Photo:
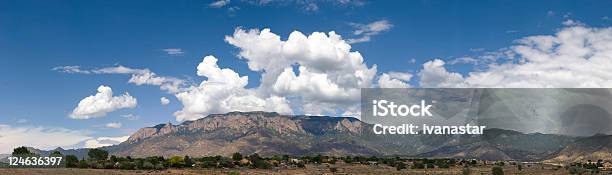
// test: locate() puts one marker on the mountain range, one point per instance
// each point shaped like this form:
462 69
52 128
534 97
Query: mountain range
268 133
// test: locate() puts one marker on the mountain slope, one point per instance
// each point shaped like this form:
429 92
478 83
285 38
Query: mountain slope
590 148
273 134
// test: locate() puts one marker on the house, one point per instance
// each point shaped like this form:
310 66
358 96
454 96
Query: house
295 161
607 166
274 162
245 162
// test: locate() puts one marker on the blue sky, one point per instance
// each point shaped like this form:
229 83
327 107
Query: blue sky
37 36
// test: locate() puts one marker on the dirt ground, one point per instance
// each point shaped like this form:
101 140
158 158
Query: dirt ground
310 169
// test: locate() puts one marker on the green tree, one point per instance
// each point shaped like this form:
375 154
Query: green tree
237 156
418 165
97 154
188 162
176 161
21 151
496 170
72 161
148 165
113 158
83 164
56 154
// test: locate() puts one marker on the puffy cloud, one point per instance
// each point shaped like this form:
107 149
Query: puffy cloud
101 103
219 3
366 31
38 137
576 56
164 101
329 75
105 141
435 75
394 80
174 51
113 125
222 92
169 84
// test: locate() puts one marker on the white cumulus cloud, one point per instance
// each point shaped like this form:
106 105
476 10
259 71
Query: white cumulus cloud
104 141
101 103
394 80
575 56
222 92
328 76
164 101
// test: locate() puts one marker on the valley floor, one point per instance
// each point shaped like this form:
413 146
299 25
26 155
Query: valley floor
310 169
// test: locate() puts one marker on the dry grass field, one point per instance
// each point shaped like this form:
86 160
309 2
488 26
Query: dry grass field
310 169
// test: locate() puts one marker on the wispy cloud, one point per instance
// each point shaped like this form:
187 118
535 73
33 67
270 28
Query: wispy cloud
70 69
219 3
139 76
131 116
364 32
113 125
21 121
174 51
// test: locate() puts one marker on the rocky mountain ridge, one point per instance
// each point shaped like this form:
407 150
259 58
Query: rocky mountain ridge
268 133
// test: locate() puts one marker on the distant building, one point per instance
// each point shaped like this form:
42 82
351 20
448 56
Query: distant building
245 162
607 166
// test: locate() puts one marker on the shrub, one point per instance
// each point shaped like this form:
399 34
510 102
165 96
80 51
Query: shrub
109 165
418 165
159 166
83 164
237 156
261 164
126 166
465 171
400 165
148 165
301 165
496 170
